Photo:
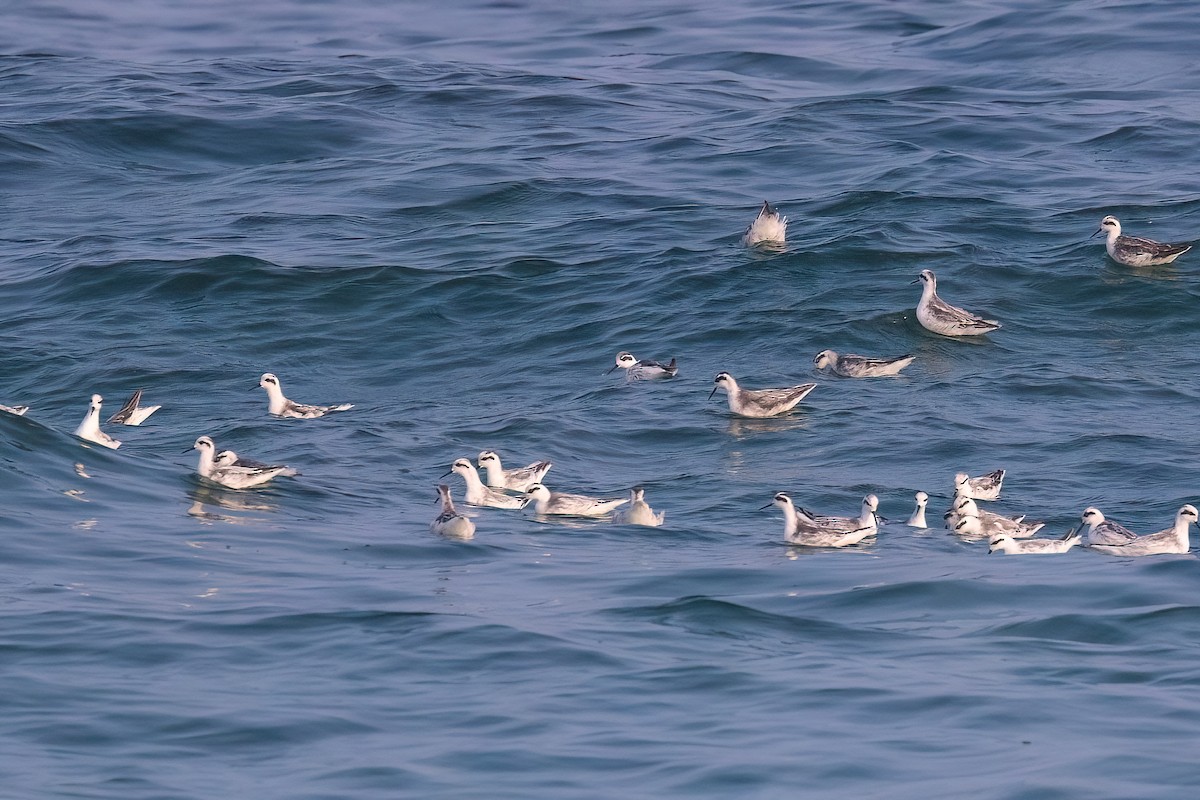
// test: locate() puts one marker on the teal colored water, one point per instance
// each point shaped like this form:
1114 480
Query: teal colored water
454 217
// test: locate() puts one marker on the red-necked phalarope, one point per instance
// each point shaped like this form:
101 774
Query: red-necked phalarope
1104 531
1134 251
226 471
518 479
90 427
936 315
1171 540
802 528
1011 546
479 495
283 407
449 522
769 228
759 402
854 366
577 505
17 410
972 521
917 520
131 414
639 511
642 370
985 487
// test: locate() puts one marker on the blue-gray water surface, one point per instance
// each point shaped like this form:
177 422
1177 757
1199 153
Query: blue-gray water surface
454 216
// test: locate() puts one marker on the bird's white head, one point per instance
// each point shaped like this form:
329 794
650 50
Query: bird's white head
825 358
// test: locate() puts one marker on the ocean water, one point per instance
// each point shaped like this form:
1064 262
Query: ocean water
454 216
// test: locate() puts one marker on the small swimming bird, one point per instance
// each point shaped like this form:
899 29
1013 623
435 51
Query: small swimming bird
90 427
1171 540
1104 531
228 473
643 370
131 414
479 495
1134 251
867 518
639 511
936 315
854 366
970 520
228 458
578 505
985 487
518 479
759 402
1011 546
280 406
917 520
768 227
802 528
450 523
18 410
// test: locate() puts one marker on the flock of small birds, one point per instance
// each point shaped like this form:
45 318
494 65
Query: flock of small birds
1011 535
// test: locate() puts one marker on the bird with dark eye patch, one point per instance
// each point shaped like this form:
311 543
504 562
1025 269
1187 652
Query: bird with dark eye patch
849 365
1134 251
759 402
936 315
1172 540
449 522
636 370
281 406
479 495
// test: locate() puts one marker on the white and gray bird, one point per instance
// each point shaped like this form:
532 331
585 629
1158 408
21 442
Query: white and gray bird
803 528
518 479
16 410
1011 546
1134 251
578 505
281 406
1172 540
1104 531
974 522
768 228
228 472
636 370
449 522
639 511
917 520
132 413
849 365
89 428
936 315
479 495
985 487
759 402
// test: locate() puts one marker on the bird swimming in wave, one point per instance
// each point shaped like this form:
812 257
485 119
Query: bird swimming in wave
131 413
768 228
449 522
1134 251
90 427
936 315
759 402
642 370
850 365
280 406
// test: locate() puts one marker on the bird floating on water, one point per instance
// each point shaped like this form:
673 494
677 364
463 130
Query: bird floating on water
917 520
280 406
642 370
936 315
768 228
90 427
1011 546
518 479
449 522
578 505
759 402
985 487
479 495
639 511
803 528
849 365
1172 540
131 413
1134 251
231 472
